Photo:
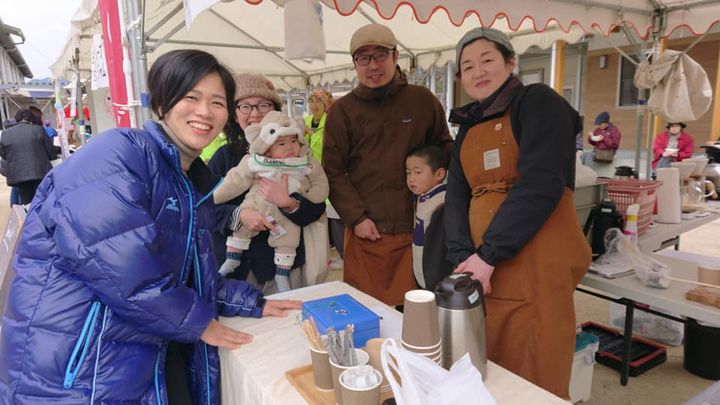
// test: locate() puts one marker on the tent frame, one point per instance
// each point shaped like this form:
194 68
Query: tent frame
138 40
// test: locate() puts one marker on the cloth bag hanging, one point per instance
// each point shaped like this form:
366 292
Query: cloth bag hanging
304 37
680 90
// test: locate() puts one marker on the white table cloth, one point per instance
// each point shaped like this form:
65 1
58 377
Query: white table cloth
255 373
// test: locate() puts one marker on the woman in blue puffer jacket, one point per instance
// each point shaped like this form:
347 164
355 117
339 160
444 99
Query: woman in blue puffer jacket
116 292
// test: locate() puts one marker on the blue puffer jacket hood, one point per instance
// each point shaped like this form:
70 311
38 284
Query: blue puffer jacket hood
115 260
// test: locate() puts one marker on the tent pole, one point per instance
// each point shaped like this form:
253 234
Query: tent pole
657 122
2 110
715 123
582 54
659 24
433 79
138 59
449 89
557 66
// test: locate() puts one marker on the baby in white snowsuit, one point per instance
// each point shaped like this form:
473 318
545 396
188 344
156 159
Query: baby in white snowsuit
277 147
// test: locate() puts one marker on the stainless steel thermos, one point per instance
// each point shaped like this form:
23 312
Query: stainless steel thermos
461 316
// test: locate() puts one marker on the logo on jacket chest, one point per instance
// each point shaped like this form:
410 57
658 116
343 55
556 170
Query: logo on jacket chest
172 204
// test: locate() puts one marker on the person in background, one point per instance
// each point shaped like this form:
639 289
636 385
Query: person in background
116 295
425 168
320 100
579 140
14 198
672 145
368 134
605 140
49 130
254 98
209 151
510 217
27 152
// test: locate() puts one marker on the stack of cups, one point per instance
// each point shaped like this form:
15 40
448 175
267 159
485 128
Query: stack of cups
372 347
420 331
337 369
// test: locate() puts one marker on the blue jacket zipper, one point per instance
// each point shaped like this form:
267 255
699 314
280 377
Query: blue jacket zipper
81 346
97 353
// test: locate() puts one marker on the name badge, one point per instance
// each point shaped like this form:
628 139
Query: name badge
491 159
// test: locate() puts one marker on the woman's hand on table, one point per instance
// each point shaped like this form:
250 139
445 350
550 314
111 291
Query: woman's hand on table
279 308
479 270
217 334
276 192
255 221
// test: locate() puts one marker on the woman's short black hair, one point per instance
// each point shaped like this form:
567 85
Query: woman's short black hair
177 72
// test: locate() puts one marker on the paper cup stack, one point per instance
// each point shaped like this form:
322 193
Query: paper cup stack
420 332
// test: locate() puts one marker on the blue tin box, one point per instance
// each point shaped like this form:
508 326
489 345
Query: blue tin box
341 310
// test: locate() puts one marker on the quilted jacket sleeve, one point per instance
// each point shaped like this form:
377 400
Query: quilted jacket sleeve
102 217
239 298
238 180
319 187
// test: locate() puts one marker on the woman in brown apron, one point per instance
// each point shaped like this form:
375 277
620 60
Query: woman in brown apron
510 217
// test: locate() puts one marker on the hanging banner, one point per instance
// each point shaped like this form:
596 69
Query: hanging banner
60 122
193 8
99 66
112 43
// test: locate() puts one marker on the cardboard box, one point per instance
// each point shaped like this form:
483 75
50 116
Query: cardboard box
341 310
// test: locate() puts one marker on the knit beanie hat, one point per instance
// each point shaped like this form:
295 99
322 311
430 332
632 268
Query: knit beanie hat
275 124
323 96
602 118
253 85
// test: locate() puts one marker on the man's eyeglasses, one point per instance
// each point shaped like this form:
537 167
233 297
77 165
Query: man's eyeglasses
379 55
246 109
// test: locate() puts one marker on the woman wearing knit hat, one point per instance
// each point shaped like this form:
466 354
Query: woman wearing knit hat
605 140
255 96
509 212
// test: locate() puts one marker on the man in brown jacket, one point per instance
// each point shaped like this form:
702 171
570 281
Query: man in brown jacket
368 134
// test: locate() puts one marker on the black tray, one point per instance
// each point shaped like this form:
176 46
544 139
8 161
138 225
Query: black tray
644 354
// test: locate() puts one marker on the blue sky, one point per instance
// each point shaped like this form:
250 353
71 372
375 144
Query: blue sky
45 23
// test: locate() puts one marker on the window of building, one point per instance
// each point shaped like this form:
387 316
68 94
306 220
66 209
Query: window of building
627 92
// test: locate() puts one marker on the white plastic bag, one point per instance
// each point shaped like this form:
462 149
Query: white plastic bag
650 325
423 381
304 37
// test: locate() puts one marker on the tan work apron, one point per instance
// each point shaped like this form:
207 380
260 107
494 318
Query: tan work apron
530 311
382 269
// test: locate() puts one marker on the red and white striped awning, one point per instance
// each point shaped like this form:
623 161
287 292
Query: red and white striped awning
602 15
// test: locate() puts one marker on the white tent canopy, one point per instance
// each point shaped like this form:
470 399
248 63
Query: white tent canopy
250 38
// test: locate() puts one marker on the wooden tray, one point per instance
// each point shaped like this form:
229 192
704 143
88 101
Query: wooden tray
303 380
705 295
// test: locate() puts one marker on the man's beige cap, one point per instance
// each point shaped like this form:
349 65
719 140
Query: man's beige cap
372 34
